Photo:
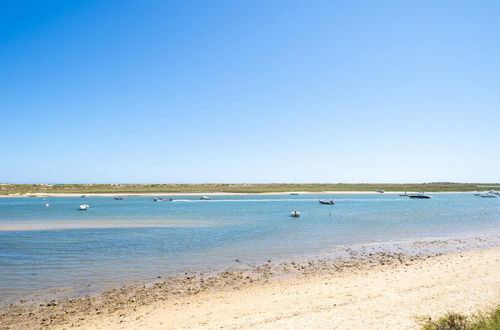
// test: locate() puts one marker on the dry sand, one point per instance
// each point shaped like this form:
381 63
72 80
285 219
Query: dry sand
383 291
385 296
111 194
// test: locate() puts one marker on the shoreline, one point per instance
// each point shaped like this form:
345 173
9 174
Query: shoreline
118 194
115 304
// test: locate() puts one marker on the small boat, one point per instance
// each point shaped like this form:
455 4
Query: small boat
118 198
47 205
205 198
83 196
84 207
405 194
380 191
327 201
158 199
419 195
295 214
488 195
294 194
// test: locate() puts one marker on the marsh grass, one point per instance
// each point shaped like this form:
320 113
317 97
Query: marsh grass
456 321
238 188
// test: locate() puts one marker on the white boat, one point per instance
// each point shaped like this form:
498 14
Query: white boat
295 214
47 205
487 195
327 201
205 198
158 199
84 207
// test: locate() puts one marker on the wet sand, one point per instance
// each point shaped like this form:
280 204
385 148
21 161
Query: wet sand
375 290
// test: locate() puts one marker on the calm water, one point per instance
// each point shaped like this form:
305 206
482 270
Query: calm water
47 249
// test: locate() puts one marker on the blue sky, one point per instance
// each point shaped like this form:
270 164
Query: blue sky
249 91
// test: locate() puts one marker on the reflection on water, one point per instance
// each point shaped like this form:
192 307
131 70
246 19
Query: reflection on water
48 249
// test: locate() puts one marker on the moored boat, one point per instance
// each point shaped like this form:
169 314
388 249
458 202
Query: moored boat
205 198
487 195
295 214
84 207
327 201
419 195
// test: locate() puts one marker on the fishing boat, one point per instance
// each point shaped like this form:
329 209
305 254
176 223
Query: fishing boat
419 195
84 207
327 201
205 198
295 214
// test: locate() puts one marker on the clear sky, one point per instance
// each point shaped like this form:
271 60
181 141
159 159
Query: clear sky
249 91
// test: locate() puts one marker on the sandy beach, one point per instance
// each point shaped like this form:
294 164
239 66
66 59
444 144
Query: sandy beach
342 192
381 290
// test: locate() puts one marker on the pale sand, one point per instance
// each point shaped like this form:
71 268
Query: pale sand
38 195
379 297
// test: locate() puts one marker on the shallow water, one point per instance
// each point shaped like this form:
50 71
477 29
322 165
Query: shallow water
64 250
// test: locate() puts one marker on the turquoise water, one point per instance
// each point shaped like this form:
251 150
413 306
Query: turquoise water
61 249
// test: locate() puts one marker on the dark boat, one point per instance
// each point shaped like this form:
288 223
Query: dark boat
327 202
419 195
118 198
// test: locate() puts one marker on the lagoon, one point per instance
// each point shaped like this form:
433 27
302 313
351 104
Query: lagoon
61 250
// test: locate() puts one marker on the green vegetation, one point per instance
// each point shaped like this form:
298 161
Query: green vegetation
236 188
455 321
